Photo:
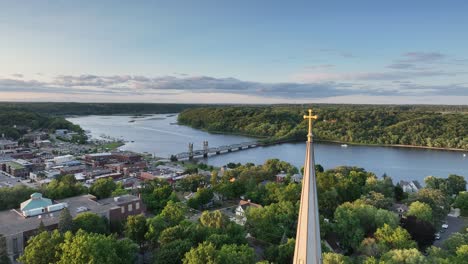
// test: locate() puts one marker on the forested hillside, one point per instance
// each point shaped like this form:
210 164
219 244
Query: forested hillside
428 126
61 109
15 123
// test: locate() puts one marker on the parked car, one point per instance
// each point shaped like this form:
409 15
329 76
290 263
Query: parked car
437 236
445 226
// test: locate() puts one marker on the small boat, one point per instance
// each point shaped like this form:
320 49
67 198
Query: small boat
464 155
344 145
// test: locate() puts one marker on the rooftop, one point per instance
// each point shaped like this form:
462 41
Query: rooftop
12 221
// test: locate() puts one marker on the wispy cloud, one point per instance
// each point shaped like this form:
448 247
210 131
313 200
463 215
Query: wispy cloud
127 85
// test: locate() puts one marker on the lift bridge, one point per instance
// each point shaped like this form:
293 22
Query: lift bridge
206 151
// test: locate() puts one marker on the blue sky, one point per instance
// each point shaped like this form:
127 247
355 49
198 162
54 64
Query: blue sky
235 51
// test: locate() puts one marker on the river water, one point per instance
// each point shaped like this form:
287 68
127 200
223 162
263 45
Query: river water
161 136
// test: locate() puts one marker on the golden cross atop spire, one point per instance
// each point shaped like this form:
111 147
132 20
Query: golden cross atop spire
310 117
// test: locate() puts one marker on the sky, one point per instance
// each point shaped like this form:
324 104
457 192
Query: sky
262 51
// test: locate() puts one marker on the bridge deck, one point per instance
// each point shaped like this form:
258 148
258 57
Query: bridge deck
217 150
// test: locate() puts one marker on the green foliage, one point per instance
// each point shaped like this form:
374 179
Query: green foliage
64 187
454 241
451 185
227 254
12 197
65 221
438 202
203 254
421 211
135 228
191 183
334 258
462 202
155 194
174 213
272 222
173 252
103 188
403 256
213 219
91 223
43 248
235 254
201 198
283 253
394 238
119 190
353 221
405 125
96 248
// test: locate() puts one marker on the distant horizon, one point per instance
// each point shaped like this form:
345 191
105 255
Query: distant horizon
207 51
223 104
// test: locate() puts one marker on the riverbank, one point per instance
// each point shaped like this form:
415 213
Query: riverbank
269 142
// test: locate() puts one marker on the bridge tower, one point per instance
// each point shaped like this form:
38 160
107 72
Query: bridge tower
190 150
205 149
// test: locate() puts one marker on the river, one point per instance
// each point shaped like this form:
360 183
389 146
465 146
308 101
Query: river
162 136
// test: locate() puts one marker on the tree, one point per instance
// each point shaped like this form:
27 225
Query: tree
214 178
4 259
90 222
456 184
214 219
399 193
454 241
96 248
103 188
436 200
335 258
173 252
235 254
377 200
119 190
65 221
135 228
63 187
353 221
394 238
43 248
403 256
204 253
462 202
421 231
421 211
174 213
155 226
201 197
272 222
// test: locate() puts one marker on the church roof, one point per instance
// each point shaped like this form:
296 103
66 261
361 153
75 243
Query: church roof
36 201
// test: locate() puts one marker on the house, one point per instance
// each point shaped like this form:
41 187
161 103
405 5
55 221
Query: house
411 186
6 144
400 209
241 209
20 224
280 177
297 178
17 168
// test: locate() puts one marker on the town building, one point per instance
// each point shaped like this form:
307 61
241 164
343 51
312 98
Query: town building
19 225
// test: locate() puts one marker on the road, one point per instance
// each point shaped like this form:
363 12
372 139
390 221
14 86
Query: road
455 224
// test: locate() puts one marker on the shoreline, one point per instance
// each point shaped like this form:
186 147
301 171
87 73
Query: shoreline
276 142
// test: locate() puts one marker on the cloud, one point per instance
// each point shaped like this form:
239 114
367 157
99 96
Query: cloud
127 86
17 75
423 56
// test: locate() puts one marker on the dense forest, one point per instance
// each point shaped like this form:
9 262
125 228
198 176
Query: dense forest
15 123
63 109
427 126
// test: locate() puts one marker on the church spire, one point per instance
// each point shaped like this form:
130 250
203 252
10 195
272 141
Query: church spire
308 247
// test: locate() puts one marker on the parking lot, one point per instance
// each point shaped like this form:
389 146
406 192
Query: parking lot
455 224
